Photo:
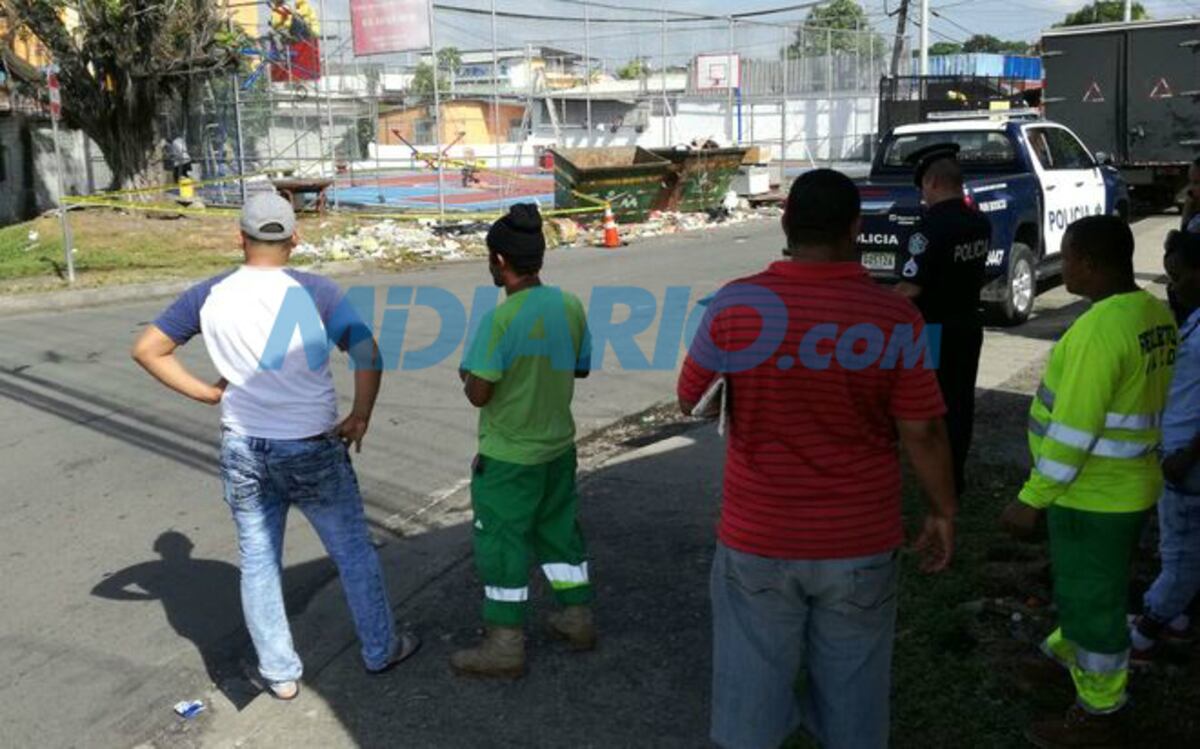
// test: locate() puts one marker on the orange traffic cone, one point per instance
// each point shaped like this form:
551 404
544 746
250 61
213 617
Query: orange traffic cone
612 238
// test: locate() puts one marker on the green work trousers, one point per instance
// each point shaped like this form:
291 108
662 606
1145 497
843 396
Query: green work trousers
1091 553
524 511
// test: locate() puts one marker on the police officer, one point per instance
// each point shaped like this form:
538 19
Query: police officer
943 272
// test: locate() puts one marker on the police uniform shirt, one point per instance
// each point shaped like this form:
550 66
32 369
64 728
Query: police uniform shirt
946 256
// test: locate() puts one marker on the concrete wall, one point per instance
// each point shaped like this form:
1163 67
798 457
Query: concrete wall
30 185
822 129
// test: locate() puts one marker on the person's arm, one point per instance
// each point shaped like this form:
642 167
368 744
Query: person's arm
697 374
1179 464
583 363
917 266
928 448
155 352
1181 418
484 363
918 410
120 587
368 378
1091 371
478 390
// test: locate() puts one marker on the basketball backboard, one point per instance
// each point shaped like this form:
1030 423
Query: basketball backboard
718 72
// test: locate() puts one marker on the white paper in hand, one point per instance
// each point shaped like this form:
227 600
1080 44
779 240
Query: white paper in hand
714 404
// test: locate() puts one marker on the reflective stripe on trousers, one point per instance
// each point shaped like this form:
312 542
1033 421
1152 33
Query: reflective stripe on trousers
506 595
564 576
1100 678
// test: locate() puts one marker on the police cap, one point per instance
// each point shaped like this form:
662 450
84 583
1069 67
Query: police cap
923 158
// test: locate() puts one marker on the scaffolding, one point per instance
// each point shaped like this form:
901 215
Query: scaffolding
520 83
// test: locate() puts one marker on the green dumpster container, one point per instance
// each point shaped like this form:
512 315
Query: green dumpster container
699 178
630 178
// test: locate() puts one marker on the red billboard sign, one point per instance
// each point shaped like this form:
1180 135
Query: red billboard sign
383 26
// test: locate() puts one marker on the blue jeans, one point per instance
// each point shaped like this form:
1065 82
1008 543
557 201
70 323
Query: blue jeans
1179 546
263 479
834 619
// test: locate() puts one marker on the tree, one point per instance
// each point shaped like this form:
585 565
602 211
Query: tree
838 26
945 48
450 60
990 44
422 82
633 70
449 64
120 67
1103 11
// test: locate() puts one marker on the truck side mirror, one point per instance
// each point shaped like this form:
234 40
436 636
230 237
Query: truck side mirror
1104 159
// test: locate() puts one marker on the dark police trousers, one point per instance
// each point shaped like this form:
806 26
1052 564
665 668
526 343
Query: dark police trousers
958 366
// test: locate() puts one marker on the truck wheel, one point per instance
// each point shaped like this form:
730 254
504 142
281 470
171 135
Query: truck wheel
1020 286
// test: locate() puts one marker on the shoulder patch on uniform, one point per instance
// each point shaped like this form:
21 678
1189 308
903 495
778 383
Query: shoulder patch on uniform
917 244
910 269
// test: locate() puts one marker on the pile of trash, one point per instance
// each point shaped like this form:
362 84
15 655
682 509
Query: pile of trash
391 242
397 241
661 223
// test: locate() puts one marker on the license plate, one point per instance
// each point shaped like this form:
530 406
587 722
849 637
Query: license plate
879 260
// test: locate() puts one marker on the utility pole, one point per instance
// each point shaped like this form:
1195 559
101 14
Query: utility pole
495 88
1128 11
898 45
437 116
924 37
587 67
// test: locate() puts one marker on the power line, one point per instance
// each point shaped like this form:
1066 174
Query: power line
953 23
671 15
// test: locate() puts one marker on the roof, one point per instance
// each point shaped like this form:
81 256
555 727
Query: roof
1102 27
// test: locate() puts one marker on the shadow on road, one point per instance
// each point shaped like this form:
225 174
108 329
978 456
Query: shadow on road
202 603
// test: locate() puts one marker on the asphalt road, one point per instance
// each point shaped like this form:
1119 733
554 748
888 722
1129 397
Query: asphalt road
111 518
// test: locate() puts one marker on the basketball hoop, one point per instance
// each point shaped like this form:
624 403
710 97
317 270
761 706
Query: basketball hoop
719 72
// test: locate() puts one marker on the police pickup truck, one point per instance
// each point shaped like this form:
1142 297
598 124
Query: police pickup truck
1030 177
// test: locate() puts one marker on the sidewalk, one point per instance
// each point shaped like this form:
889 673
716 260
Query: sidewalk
649 516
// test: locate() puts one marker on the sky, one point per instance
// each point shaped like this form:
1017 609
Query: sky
956 20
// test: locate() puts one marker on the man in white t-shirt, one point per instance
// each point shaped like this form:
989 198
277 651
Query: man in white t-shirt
282 443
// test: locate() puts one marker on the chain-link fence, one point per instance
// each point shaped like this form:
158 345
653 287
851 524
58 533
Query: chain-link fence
515 83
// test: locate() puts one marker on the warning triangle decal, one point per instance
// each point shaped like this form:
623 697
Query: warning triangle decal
1162 90
1093 95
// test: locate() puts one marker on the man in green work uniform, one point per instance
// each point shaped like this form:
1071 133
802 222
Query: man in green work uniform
520 371
1094 430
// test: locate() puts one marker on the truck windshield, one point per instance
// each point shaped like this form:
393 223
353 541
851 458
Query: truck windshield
982 150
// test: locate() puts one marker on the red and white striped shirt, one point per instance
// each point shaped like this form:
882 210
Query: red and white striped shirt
812 469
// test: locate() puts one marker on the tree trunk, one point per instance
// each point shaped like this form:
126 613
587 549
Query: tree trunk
135 163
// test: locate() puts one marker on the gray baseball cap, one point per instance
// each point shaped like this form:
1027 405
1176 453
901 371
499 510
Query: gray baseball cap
268 217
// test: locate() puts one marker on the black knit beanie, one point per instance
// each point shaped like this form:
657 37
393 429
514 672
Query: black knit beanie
518 235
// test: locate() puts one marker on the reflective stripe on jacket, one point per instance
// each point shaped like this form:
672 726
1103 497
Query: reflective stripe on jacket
1096 422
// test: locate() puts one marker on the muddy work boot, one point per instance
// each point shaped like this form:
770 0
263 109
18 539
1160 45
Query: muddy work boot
1079 729
500 655
574 625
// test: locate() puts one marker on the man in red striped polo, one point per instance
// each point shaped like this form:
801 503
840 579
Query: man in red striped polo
826 373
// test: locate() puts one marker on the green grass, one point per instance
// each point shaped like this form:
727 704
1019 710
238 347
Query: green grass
954 675
114 247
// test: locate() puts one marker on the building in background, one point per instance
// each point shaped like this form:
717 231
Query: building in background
515 70
465 121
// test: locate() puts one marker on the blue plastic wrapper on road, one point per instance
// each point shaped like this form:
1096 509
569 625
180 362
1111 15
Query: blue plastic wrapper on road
189 709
